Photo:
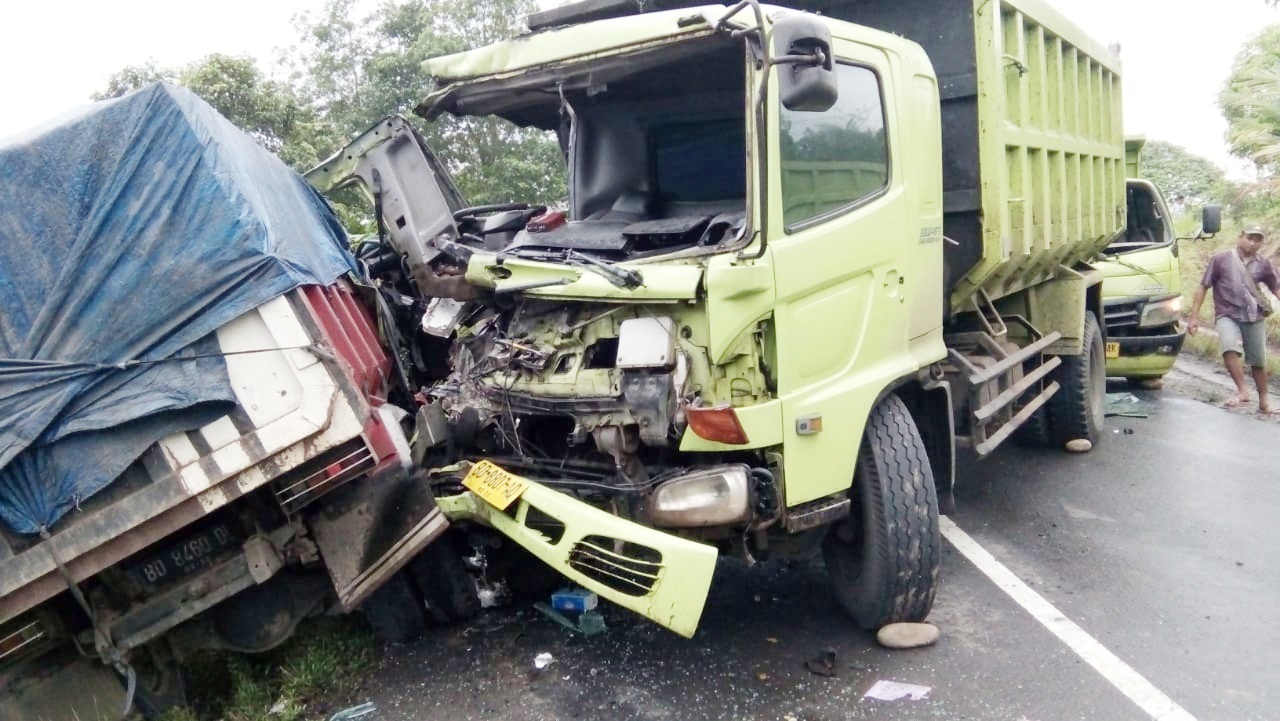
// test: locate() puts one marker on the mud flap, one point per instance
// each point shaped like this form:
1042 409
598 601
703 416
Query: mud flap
657 575
367 531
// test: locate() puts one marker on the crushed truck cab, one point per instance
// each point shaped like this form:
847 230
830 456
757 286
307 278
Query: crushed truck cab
774 300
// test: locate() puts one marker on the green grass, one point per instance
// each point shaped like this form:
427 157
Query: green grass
321 666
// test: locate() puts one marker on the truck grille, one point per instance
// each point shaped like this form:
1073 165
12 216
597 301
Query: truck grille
625 567
322 475
1122 317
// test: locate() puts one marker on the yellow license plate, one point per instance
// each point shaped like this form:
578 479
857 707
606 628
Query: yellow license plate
497 487
1113 350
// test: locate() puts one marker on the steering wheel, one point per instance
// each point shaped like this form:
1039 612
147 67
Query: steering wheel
476 212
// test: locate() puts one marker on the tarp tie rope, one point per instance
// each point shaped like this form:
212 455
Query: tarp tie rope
102 640
317 349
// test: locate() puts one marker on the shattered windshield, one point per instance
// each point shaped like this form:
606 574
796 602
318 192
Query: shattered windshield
656 154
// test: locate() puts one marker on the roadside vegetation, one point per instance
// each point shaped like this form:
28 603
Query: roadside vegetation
1250 102
353 63
309 677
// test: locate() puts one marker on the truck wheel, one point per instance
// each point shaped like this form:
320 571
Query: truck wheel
161 683
444 581
1035 432
883 560
1077 409
394 611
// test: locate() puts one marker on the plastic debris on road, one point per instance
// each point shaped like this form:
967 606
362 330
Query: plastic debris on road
574 600
543 660
578 607
1127 405
355 712
893 691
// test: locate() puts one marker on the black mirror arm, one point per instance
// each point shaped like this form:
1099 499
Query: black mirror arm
755 6
816 58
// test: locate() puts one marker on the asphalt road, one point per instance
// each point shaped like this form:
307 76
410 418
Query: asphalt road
1160 546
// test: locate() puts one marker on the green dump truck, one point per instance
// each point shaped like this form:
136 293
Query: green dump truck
801 260
1142 295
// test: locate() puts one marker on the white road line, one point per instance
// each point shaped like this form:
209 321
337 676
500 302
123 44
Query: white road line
1121 675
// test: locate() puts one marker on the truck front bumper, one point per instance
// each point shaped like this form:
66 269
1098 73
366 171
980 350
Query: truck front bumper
660 576
1146 356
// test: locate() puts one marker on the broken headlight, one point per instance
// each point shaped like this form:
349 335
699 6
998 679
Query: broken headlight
706 497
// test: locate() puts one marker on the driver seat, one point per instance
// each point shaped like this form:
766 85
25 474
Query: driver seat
631 206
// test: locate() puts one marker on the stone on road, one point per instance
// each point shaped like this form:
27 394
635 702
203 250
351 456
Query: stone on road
908 635
1079 445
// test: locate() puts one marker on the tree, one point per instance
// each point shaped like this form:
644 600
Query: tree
133 77
1186 179
358 69
1250 100
270 111
349 70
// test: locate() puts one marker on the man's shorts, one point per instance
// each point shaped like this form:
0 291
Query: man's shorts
1248 339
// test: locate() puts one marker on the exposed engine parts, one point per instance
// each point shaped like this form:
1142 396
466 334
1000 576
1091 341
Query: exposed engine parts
591 398
548 381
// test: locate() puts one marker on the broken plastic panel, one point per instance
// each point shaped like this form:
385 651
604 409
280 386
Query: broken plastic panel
657 575
719 423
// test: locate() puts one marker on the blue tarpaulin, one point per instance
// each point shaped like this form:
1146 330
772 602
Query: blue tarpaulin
131 232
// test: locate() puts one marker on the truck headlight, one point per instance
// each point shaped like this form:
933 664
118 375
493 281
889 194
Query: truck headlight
706 497
1161 312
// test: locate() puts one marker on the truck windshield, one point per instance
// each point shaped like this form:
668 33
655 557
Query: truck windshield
658 152
1147 223
700 162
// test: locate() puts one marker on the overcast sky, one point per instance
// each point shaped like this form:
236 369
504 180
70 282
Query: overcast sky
54 53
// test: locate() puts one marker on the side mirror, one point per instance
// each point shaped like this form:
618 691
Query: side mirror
806 76
1211 219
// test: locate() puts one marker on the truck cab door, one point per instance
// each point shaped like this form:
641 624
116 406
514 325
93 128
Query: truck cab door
406 185
843 244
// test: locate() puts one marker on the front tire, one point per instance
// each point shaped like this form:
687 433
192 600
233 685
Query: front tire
883 560
1078 408
161 683
394 611
444 581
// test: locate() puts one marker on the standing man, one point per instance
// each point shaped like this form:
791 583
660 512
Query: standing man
1239 308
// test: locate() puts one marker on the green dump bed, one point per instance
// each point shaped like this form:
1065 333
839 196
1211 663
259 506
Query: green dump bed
1033 144
1133 145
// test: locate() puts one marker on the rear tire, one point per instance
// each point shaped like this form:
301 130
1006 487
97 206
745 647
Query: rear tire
1035 432
1078 408
883 560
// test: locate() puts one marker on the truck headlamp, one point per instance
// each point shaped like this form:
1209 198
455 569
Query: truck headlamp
706 497
1161 312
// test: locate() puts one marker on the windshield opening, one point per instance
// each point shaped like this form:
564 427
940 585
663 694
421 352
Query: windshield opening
1148 224
660 149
